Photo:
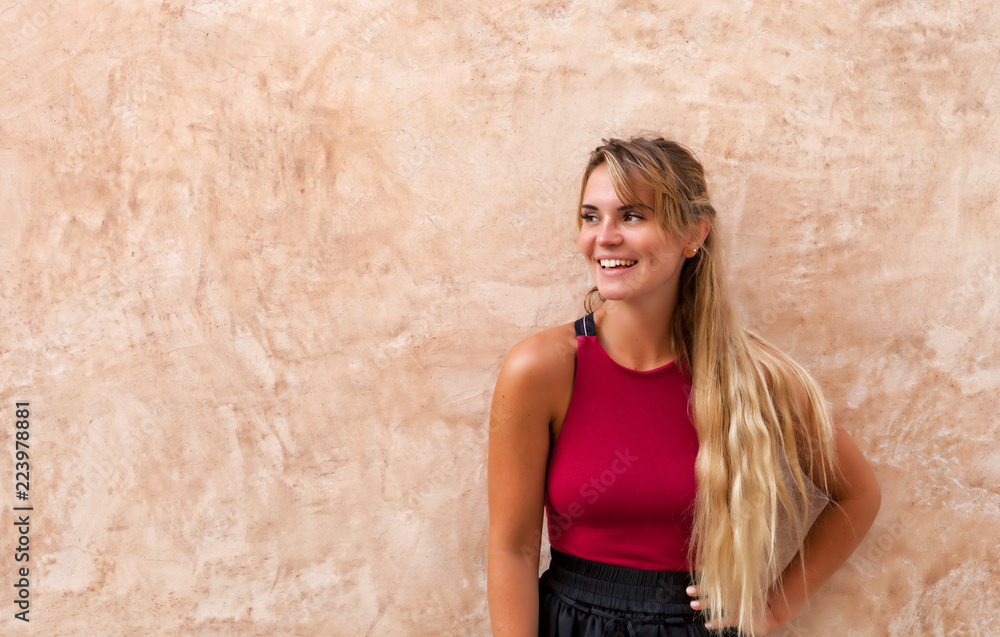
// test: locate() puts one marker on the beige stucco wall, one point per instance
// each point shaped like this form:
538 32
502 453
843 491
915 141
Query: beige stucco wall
261 262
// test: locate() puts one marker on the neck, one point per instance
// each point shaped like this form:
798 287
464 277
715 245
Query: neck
637 334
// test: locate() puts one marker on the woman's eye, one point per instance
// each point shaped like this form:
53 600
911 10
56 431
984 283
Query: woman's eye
586 216
632 216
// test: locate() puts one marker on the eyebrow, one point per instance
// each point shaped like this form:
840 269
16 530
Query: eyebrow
622 208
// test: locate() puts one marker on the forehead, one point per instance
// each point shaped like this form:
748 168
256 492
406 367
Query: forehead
600 189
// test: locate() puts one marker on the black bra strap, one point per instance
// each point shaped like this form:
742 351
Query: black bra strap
585 326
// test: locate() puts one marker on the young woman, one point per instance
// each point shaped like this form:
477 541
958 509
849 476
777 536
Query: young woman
665 442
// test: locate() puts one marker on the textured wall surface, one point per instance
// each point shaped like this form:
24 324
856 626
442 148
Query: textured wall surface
261 262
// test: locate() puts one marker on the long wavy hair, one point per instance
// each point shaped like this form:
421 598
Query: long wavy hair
761 419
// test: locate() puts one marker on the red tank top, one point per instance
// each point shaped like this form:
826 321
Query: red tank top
620 484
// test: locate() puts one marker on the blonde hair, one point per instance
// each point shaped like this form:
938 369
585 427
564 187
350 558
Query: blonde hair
755 410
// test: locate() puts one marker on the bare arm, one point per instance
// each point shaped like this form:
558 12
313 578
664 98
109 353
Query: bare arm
839 529
518 453
855 498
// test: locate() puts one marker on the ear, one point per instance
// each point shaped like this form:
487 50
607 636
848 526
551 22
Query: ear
701 228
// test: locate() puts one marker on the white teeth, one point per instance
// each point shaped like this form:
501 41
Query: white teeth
613 263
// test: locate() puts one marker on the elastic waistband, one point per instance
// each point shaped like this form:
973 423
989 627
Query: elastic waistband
620 587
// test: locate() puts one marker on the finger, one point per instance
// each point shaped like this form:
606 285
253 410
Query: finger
724 623
698 604
694 591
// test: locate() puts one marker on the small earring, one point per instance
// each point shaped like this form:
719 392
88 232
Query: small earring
693 252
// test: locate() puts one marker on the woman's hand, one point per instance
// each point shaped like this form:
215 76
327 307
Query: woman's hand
777 615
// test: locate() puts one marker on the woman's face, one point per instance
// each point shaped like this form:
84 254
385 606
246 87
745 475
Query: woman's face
629 254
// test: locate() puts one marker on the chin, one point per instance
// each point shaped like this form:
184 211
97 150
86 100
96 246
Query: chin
613 293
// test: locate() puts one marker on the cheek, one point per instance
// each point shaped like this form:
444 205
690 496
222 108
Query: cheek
661 252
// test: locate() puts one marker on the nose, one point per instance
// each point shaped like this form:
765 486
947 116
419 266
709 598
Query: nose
609 234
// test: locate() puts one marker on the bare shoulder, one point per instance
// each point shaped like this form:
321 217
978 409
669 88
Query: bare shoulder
551 352
536 378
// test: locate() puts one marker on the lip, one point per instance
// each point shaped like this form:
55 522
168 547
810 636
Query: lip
616 272
599 259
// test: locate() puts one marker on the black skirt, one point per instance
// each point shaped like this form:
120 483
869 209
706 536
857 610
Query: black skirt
583 598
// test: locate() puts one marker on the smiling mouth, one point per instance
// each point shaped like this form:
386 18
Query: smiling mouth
616 264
